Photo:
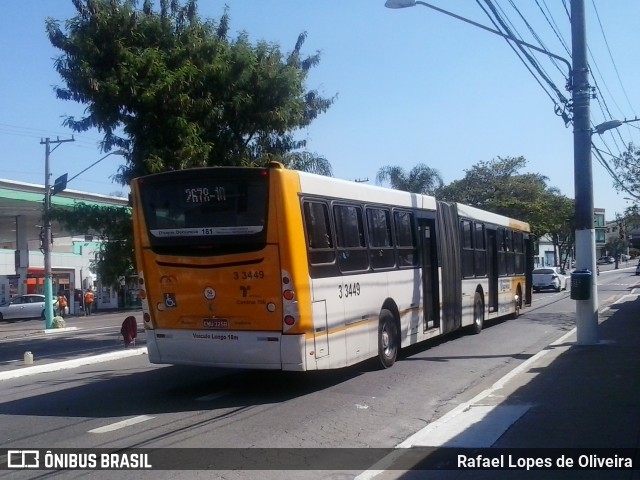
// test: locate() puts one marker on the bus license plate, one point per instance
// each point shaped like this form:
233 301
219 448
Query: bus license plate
215 323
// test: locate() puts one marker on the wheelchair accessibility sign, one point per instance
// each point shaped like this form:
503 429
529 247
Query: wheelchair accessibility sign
170 300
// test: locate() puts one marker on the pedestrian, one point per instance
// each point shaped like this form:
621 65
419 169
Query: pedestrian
129 331
88 301
62 304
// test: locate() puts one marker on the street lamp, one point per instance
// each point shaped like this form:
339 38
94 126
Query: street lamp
59 185
608 125
394 4
586 309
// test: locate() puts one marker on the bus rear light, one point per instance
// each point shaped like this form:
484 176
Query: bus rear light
290 313
146 317
142 294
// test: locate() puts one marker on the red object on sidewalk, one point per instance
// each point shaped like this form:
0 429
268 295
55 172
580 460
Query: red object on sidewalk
129 331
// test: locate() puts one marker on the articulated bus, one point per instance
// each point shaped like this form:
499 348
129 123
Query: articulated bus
270 268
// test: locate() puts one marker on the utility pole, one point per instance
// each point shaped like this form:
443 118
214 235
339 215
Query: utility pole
47 240
586 310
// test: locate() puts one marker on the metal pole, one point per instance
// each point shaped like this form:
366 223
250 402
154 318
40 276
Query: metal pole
47 241
586 310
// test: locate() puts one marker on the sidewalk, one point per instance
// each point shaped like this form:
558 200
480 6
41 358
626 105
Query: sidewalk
566 397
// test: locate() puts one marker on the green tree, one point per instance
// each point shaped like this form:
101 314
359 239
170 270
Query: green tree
112 226
420 179
307 162
175 91
627 171
497 186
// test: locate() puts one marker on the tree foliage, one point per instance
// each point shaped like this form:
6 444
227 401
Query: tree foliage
112 226
175 91
497 186
420 179
307 162
627 170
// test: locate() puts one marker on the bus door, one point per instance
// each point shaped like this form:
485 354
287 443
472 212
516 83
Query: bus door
492 269
430 283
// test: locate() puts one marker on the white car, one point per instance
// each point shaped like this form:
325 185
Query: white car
23 306
549 277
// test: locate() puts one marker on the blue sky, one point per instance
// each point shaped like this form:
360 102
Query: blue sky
412 86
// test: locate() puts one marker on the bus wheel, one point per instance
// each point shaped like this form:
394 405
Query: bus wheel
478 313
518 305
387 339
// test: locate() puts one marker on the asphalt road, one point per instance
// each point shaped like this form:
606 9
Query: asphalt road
129 403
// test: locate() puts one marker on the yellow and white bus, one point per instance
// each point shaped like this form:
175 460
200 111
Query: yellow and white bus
271 268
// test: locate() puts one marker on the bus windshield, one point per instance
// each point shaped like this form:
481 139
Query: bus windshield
226 209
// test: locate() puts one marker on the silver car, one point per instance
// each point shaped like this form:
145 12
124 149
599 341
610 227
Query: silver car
23 306
549 277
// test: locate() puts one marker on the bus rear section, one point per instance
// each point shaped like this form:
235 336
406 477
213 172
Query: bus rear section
209 269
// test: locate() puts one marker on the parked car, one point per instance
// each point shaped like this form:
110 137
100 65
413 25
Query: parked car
549 277
23 306
605 260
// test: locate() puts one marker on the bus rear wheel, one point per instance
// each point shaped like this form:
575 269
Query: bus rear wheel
388 339
518 304
478 313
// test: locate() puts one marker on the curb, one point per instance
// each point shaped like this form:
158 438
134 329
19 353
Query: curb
67 364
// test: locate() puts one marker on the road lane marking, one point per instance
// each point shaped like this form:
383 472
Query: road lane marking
123 424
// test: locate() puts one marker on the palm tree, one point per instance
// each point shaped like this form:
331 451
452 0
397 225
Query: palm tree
421 178
307 162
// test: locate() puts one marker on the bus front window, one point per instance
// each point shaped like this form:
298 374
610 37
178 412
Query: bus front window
213 209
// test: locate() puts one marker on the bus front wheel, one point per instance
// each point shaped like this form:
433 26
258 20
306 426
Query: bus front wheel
388 339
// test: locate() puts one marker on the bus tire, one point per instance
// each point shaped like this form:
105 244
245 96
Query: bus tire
518 304
388 339
478 314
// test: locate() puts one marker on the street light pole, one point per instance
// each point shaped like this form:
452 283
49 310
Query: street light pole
47 239
586 310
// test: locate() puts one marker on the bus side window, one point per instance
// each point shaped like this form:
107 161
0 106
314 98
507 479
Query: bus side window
468 259
352 251
480 250
318 229
405 239
381 252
